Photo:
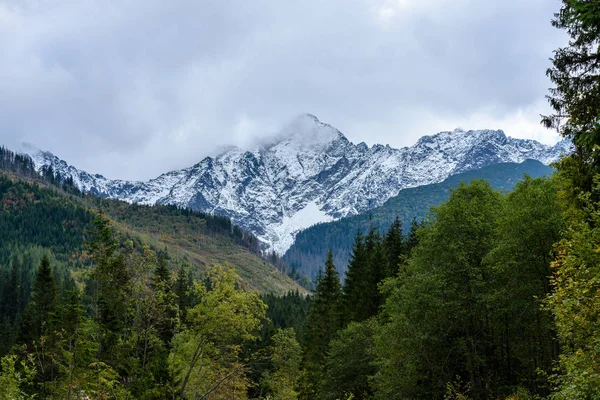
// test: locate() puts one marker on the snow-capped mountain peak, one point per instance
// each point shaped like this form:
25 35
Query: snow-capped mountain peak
311 173
305 132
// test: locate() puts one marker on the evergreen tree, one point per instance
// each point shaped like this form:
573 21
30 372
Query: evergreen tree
110 286
166 301
162 273
576 97
377 265
576 73
354 283
395 247
324 321
42 304
412 239
37 330
182 289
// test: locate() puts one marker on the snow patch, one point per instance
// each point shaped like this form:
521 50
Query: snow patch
286 231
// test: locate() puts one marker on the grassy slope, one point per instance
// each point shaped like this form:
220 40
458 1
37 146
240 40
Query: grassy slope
184 237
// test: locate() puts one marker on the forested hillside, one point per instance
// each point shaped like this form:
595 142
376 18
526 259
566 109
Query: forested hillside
311 245
496 295
42 216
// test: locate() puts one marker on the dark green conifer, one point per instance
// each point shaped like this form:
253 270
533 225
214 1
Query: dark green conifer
324 321
395 247
42 304
412 239
354 282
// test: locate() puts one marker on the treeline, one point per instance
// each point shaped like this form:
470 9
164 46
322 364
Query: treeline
311 245
24 198
453 310
23 165
500 297
134 328
469 305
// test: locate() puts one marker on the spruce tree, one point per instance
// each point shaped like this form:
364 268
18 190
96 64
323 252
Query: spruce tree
162 274
324 321
42 304
182 288
166 301
576 73
412 239
38 324
110 286
395 247
376 271
354 284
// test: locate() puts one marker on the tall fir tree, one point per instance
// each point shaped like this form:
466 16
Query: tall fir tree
324 321
182 289
412 238
395 247
42 304
354 283
110 287
162 273
376 271
39 323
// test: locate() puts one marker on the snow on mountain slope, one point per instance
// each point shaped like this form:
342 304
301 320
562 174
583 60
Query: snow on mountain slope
311 173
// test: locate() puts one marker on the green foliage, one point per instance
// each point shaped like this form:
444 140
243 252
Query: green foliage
456 312
42 304
354 284
285 354
529 226
287 311
575 305
311 245
13 381
350 362
576 73
205 356
324 320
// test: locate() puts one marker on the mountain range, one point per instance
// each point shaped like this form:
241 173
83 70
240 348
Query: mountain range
310 173
311 246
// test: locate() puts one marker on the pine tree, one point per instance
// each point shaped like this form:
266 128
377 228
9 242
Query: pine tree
42 304
376 271
37 331
324 321
110 286
182 289
354 284
162 274
576 72
576 97
412 239
395 247
165 300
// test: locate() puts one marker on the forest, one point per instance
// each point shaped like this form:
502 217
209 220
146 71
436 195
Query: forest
494 296
312 244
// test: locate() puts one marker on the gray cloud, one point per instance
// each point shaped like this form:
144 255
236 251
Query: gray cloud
133 88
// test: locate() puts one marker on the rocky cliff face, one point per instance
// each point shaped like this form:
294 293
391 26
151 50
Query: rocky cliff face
310 173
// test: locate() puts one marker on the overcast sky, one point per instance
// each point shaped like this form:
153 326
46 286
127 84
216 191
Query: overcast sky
134 88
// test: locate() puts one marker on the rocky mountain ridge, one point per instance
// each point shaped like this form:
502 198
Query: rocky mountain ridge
310 173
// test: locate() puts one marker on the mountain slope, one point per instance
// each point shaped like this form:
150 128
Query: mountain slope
309 251
34 215
310 173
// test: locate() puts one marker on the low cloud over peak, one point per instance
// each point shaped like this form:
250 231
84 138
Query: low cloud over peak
136 88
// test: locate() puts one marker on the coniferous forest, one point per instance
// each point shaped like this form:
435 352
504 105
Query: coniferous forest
493 296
